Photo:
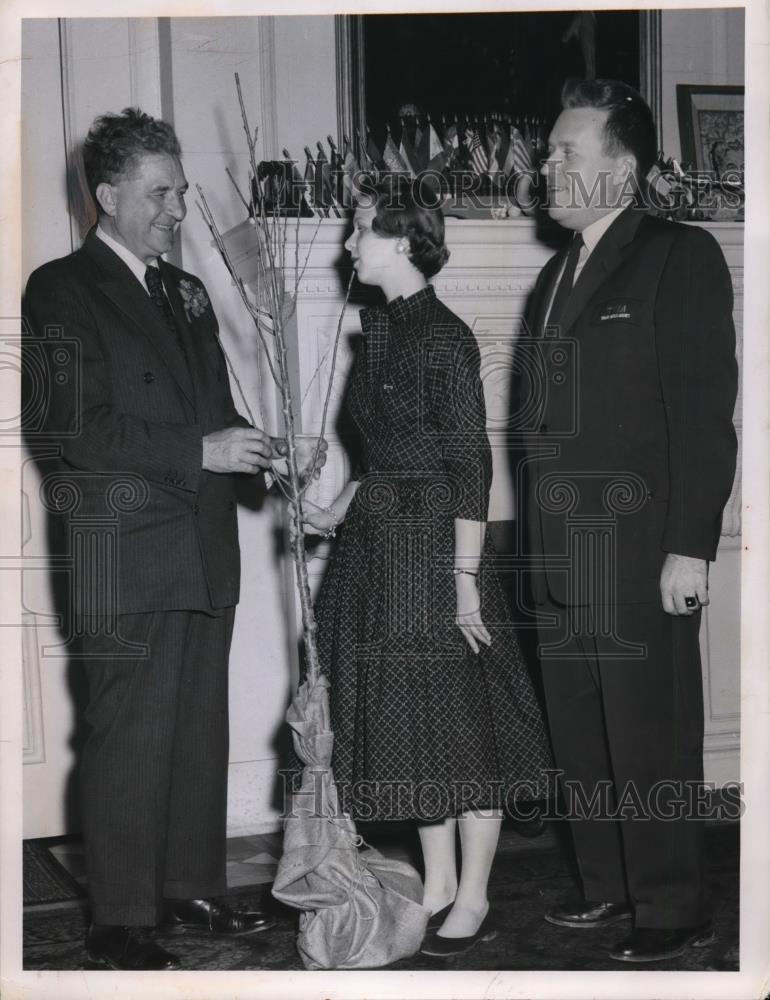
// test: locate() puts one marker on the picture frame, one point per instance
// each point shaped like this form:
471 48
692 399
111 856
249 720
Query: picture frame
711 129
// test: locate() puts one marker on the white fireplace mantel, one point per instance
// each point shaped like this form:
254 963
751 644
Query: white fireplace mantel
491 270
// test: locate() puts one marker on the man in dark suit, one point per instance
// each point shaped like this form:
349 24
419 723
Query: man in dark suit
628 476
149 436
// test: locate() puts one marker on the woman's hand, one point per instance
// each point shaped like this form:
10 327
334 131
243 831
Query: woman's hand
468 617
315 520
318 521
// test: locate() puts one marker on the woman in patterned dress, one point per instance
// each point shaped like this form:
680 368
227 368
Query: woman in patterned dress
433 712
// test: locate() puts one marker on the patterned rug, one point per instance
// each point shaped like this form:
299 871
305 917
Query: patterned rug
45 880
522 886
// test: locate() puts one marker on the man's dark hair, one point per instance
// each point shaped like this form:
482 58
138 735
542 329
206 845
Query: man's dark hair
629 127
115 142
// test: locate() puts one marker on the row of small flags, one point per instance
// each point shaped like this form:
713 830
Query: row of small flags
494 149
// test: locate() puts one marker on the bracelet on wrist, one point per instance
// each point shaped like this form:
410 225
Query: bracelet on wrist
467 572
331 531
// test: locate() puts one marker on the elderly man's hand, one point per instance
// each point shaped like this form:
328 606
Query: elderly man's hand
237 449
305 453
683 577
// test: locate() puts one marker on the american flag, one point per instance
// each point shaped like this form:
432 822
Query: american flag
478 156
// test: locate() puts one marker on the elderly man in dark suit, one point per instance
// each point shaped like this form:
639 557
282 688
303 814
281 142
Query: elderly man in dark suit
152 408
628 476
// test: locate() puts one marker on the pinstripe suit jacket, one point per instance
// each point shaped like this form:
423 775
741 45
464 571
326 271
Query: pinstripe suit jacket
130 422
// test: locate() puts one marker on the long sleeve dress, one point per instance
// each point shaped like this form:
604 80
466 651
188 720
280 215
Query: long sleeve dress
423 727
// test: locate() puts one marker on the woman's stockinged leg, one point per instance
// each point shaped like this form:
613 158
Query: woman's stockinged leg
479 834
438 851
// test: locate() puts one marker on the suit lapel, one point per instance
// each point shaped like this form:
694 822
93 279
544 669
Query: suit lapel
188 338
125 292
607 256
542 302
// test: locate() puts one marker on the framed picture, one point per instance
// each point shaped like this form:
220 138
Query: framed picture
711 129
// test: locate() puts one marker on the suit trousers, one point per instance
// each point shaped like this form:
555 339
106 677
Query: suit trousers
154 766
630 732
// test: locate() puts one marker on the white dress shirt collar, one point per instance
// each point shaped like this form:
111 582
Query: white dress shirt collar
593 233
136 266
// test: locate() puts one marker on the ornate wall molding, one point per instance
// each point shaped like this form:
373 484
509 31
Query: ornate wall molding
33 741
267 95
351 90
144 63
650 83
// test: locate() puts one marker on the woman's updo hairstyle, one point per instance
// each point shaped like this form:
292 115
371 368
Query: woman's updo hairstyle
413 209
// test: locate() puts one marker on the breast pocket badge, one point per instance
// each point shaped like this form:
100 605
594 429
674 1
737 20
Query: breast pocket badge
617 311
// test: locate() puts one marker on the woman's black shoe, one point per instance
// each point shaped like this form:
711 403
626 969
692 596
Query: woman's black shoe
437 919
443 947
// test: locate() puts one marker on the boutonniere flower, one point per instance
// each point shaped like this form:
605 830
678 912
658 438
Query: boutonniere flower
194 298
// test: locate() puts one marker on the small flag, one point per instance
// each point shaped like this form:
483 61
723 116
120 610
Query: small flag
351 170
518 160
324 194
417 138
436 156
451 144
421 149
368 163
322 180
494 144
336 169
450 137
478 159
309 182
391 157
505 142
406 150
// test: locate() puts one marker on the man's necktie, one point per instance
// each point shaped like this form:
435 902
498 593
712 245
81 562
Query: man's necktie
158 296
567 280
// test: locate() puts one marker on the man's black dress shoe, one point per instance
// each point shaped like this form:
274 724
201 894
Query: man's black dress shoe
212 917
653 944
584 913
443 947
126 949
